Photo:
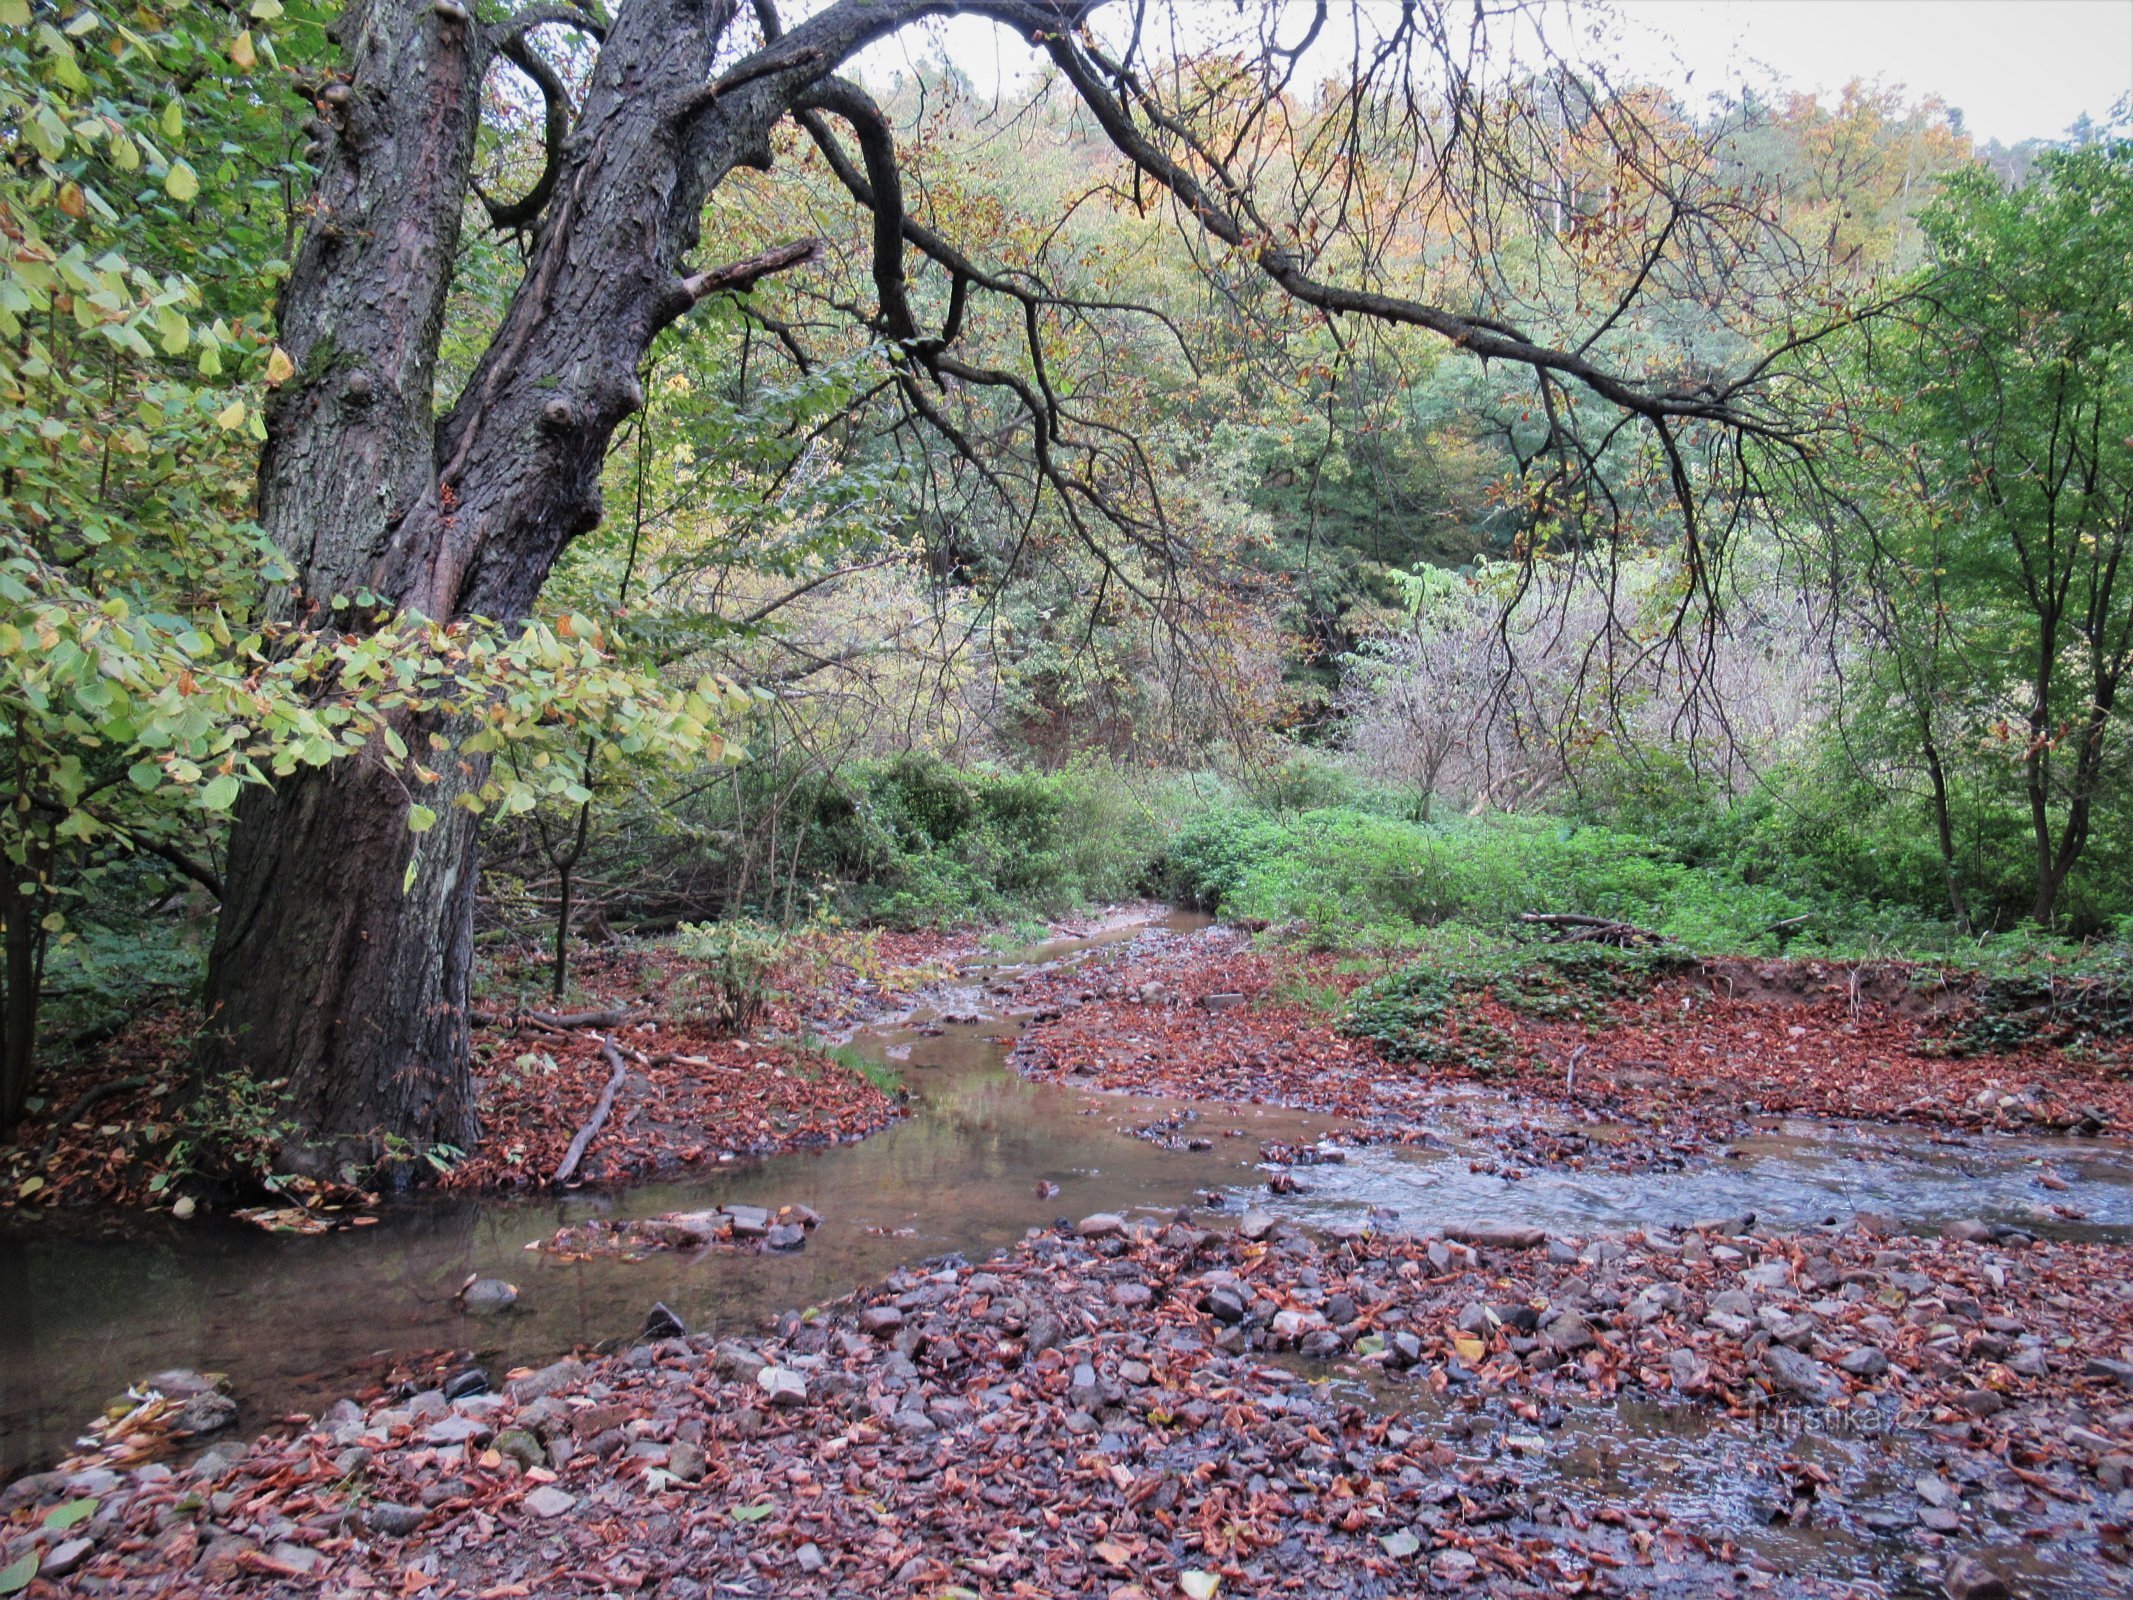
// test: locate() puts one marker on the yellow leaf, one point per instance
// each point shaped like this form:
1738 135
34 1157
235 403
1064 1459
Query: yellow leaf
242 53
232 416
1471 1349
181 181
15 13
279 366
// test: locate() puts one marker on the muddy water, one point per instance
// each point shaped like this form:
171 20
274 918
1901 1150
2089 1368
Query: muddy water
295 1321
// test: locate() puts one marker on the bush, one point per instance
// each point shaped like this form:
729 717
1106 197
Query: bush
732 967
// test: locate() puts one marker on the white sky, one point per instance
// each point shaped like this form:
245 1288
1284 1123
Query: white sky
2016 69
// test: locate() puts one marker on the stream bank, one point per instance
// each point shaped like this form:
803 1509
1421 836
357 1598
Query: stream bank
1683 1447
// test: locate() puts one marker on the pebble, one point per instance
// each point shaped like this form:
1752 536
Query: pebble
548 1502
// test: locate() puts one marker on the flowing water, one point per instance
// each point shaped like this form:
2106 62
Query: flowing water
84 1309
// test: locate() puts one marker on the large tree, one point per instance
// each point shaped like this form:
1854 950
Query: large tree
342 960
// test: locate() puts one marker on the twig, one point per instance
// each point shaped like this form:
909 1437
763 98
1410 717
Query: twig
576 1152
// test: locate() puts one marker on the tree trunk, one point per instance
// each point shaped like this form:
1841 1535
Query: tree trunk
326 975
18 994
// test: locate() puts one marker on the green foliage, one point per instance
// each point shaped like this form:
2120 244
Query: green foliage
730 972
914 841
1342 876
1420 1013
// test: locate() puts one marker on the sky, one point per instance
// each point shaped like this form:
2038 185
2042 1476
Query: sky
2017 69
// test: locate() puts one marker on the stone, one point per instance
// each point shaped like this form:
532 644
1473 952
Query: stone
461 1385
1256 1225
522 1446
1968 1578
880 1321
783 1386
1498 1235
394 1520
686 1461
1224 1304
786 1236
456 1430
1222 1002
1568 1334
1689 1372
1981 1403
2119 1372
661 1323
551 1379
809 1559
62 1559
1768 1275
548 1502
485 1297
1968 1230
748 1222
298 1558
1801 1375
1132 1296
204 1413
1864 1361
1084 1392
1101 1225
1045 1331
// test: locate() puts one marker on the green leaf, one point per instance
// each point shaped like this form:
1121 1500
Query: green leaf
752 1513
181 183
220 793
61 1518
15 14
16 1578
174 120
420 819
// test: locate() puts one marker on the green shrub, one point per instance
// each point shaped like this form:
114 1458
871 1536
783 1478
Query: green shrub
731 970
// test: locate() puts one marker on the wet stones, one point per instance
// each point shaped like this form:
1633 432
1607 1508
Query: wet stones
551 1379
1101 1225
486 1297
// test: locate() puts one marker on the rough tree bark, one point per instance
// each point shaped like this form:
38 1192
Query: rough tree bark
325 974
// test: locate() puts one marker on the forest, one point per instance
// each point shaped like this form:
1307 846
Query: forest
1324 799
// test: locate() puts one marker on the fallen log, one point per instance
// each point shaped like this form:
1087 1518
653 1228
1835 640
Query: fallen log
586 1134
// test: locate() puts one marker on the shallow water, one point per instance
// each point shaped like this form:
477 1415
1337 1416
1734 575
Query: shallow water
86 1308
1788 1173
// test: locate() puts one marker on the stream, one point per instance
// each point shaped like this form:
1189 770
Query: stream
88 1306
